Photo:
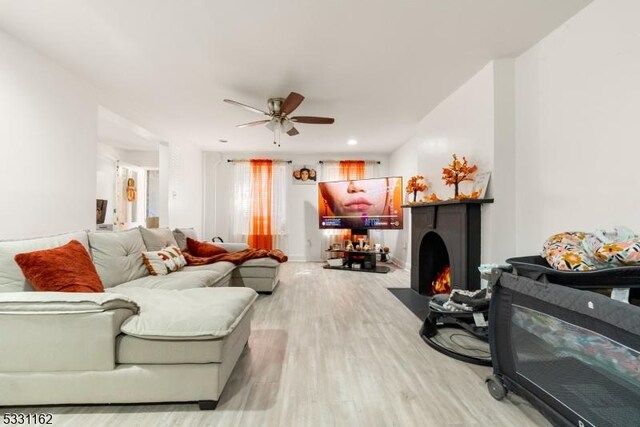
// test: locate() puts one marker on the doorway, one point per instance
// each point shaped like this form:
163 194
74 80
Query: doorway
128 175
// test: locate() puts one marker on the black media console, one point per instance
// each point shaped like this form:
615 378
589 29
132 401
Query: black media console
358 261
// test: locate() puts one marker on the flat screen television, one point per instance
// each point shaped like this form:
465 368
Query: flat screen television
374 203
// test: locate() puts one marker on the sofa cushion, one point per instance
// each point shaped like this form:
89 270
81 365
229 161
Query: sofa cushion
190 314
11 277
164 261
134 350
118 256
178 280
222 267
203 249
181 234
67 268
157 238
63 302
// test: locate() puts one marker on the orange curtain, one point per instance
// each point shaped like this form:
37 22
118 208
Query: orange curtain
352 169
260 236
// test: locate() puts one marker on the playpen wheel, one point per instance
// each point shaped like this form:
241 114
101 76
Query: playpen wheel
496 388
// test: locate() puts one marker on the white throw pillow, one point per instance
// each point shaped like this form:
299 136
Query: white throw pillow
164 261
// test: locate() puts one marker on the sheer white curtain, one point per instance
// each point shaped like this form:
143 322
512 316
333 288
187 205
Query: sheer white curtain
330 171
241 208
280 182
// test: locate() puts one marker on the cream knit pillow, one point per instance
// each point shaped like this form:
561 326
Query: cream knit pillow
164 261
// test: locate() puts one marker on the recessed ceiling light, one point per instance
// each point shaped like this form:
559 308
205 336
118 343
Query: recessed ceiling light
224 141
352 142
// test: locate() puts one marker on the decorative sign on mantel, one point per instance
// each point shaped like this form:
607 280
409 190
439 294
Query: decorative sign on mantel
480 184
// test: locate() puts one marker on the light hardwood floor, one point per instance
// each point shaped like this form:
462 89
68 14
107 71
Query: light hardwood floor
331 348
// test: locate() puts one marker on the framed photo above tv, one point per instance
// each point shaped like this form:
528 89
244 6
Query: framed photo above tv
374 203
304 175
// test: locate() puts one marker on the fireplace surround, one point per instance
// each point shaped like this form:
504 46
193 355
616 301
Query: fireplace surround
446 233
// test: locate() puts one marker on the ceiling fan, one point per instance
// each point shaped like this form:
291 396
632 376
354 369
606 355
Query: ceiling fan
279 110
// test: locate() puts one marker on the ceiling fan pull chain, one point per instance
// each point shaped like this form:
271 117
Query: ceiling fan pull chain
276 134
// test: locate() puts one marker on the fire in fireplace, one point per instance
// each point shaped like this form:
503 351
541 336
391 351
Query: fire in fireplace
442 282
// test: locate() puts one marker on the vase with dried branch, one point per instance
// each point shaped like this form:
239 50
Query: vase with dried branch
458 171
416 183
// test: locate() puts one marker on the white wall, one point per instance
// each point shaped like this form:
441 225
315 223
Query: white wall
558 128
107 177
501 214
163 159
49 174
404 162
470 122
143 159
48 136
305 238
578 132
185 185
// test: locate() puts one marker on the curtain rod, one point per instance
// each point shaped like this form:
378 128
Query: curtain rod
248 160
377 162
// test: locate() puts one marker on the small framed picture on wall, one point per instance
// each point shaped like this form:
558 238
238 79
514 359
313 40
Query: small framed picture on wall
304 175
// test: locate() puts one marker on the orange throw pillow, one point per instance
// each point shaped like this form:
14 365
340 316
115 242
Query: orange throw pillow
203 249
67 268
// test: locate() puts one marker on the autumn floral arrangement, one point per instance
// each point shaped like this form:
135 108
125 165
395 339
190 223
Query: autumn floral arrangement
416 183
459 171
433 197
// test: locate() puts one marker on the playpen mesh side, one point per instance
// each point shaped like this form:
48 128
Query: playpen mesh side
589 374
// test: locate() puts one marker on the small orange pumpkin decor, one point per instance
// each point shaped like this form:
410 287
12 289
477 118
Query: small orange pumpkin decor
131 189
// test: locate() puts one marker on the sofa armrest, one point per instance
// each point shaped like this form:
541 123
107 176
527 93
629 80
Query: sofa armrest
60 331
232 247
63 302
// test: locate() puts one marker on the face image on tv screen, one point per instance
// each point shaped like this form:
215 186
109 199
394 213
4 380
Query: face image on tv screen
374 203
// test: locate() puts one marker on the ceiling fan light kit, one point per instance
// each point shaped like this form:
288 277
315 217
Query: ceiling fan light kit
279 110
284 125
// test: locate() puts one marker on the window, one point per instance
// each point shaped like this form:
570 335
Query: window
259 205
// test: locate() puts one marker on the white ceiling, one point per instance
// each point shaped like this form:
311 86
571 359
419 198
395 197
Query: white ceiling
377 66
117 131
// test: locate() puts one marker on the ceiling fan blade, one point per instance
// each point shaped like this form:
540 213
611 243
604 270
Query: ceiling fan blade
293 132
313 120
256 123
292 102
247 107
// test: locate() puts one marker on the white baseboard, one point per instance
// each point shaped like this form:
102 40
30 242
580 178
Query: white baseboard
400 263
302 258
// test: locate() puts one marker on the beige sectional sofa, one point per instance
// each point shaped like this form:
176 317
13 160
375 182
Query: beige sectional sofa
259 274
173 338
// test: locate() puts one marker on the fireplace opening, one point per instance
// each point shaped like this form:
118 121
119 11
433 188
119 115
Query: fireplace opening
434 266
442 282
